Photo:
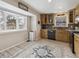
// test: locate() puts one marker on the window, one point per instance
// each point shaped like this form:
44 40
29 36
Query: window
21 22
61 21
1 21
10 21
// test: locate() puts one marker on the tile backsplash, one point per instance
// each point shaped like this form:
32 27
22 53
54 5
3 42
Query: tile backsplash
73 26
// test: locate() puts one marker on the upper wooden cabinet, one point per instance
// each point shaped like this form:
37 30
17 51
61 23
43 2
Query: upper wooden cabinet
46 18
77 11
72 16
50 18
42 17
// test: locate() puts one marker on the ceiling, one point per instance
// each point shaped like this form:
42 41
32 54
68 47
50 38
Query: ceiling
55 6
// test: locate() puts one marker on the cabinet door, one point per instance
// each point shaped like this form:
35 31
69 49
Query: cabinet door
72 16
42 17
46 18
77 11
44 33
76 42
62 35
50 19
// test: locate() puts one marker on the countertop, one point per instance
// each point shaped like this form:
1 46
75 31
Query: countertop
74 30
76 34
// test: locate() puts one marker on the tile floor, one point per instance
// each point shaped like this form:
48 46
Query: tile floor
25 50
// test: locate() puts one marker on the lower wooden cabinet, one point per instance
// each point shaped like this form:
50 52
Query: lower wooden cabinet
62 35
76 45
44 33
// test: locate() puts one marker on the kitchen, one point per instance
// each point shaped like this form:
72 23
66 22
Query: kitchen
29 29
61 27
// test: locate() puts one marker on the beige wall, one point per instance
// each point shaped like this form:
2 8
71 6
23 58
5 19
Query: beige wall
13 2
9 39
31 10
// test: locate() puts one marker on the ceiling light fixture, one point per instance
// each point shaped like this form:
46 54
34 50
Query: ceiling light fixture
49 0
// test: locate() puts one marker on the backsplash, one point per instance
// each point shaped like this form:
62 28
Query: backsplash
73 26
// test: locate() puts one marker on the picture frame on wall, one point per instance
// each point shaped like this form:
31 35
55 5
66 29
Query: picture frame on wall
22 6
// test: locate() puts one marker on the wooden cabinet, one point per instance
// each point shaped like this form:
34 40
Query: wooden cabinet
76 44
46 18
46 23
73 13
50 18
42 17
44 33
72 16
62 35
77 11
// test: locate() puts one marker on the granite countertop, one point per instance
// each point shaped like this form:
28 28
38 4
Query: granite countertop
76 34
73 30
